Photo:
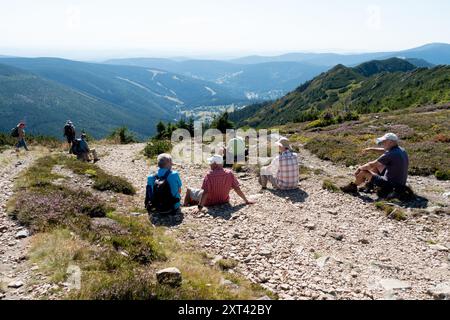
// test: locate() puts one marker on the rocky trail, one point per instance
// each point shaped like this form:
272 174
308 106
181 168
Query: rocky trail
311 243
303 244
14 273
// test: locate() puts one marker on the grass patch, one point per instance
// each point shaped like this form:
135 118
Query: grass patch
391 211
227 264
330 186
102 180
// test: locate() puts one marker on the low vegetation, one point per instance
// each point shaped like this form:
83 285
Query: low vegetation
424 133
117 254
330 186
155 147
122 135
6 141
391 211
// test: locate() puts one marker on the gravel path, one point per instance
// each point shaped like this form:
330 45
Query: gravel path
312 243
14 240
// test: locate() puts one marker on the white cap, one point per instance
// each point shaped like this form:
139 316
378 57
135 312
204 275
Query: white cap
217 159
388 136
284 143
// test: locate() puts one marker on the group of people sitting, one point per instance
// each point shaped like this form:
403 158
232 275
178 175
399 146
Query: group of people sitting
79 147
163 193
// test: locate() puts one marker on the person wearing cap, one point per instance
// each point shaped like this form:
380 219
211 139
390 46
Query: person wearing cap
81 150
21 137
216 187
283 172
70 134
389 172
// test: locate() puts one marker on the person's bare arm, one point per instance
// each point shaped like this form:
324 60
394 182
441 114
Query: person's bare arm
375 150
368 167
242 195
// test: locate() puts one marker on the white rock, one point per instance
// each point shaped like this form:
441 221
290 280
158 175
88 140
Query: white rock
394 284
169 276
22 234
15 284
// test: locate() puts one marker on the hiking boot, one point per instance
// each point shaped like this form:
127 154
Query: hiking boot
350 188
368 188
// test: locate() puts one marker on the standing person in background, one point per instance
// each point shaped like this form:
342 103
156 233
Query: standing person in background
19 133
70 134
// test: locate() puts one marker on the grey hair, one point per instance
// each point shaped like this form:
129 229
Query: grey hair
164 160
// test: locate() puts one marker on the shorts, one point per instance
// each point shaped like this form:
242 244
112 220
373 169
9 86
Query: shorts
196 195
382 183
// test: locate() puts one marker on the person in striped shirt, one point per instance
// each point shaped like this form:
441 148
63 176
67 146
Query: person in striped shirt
216 187
282 173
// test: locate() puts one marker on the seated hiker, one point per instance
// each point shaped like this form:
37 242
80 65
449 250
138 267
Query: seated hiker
235 151
19 133
283 172
388 173
216 187
81 149
163 192
70 134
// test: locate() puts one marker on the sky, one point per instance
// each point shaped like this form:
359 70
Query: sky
90 29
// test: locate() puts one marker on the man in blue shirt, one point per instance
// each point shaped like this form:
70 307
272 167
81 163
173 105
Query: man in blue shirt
166 198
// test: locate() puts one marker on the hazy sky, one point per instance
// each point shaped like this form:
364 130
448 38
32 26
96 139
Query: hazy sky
96 28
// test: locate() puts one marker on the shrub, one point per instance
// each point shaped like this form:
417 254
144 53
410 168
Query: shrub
122 136
442 175
156 147
45 209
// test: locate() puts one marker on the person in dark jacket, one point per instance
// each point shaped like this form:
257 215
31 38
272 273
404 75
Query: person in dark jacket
389 172
70 134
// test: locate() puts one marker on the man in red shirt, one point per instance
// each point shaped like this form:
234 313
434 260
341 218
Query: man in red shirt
216 187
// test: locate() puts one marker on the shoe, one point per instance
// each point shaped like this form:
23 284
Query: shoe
96 160
350 188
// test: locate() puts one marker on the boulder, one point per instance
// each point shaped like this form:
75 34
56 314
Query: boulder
22 234
170 276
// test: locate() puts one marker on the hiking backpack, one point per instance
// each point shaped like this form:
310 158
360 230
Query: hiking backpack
160 199
69 130
76 150
15 132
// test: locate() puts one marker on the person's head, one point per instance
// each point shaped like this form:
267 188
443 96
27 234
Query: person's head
388 141
69 122
283 144
216 162
22 125
83 136
164 161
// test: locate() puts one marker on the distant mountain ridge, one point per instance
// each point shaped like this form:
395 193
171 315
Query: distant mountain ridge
435 53
45 105
370 87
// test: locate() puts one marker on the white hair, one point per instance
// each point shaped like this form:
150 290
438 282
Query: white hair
164 160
